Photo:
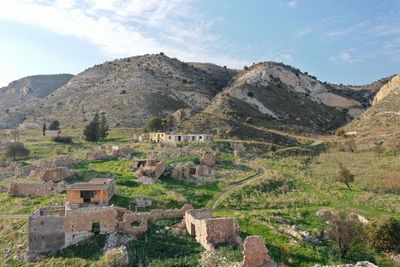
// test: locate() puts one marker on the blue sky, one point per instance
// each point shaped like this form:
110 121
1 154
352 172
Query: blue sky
341 41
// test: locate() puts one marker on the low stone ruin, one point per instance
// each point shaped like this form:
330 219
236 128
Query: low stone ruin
329 215
24 171
51 174
238 149
30 189
208 159
186 170
140 202
116 151
96 155
152 168
255 253
59 161
210 231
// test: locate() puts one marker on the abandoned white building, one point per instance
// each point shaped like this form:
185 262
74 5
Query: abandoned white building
177 138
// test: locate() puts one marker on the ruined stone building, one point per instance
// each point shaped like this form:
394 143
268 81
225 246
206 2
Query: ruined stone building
152 168
56 227
177 138
208 159
97 191
51 174
189 169
30 189
210 231
51 133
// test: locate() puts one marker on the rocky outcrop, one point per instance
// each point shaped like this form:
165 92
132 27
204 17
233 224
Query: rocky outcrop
182 114
393 84
24 171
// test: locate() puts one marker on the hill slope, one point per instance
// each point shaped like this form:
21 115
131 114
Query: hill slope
25 93
131 90
381 122
276 94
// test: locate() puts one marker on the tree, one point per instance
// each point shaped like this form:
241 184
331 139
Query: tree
44 128
54 125
15 149
345 176
153 124
384 235
103 127
92 130
344 232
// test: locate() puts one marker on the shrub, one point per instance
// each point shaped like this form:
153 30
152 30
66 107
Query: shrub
54 125
249 120
345 176
14 150
385 235
153 124
123 92
250 94
63 139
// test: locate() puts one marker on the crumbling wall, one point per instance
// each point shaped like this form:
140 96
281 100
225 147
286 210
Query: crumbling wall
152 168
208 159
59 161
30 189
189 169
51 174
255 254
24 171
81 219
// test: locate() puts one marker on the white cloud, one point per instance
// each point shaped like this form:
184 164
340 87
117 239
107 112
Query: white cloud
125 27
345 56
292 3
304 32
347 30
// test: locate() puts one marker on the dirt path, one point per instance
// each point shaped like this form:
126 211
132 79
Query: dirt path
213 203
14 216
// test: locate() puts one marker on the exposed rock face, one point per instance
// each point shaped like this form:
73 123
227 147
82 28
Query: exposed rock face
117 257
51 174
22 94
393 84
255 252
183 114
208 159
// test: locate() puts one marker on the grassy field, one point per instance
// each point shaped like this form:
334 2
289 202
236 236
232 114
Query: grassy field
297 183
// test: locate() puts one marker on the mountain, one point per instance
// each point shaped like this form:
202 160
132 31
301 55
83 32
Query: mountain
131 90
381 121
277 95
25 93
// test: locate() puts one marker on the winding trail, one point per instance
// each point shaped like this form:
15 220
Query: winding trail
213 203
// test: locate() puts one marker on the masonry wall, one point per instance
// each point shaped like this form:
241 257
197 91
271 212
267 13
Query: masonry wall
46 233
81 219
29 189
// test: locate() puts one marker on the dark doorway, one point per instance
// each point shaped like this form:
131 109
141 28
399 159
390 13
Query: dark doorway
141 163
192 230
179 138
96 227
87 196
192 171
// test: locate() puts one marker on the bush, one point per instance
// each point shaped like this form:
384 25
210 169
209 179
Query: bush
153 124
54 125
14 150
249 120
385 235
63 139
123 92
340 132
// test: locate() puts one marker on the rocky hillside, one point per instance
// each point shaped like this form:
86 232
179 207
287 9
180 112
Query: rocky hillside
380 123
25 93
131 90
270 93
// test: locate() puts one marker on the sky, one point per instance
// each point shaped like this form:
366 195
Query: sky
339 41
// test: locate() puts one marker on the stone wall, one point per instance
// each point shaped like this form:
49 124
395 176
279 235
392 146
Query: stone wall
255 253
30 189
51 174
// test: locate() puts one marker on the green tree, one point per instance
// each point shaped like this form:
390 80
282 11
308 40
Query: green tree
384 235
345 176
345 233
14 149
103 127
92 130
153 124
54 125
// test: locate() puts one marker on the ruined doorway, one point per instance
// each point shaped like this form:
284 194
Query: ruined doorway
179 138
87 196
192 229
96 227
192 171
141 163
